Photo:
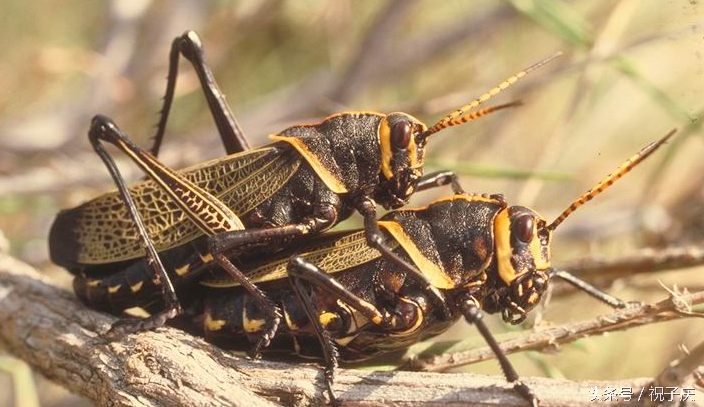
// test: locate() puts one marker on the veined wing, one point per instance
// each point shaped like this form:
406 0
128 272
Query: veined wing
332 252
101 231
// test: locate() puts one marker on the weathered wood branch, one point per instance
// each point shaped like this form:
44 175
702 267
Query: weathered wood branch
59 337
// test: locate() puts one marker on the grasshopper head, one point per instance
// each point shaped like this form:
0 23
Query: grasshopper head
523 260
403 138
402 157
523 245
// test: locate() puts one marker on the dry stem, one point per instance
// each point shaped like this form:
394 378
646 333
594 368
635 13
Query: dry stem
674 307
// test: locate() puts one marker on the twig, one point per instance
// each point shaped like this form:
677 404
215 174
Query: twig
675 307
604 271
50 330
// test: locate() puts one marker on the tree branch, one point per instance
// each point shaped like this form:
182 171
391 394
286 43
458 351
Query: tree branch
59 337
641 261
674 307
602 272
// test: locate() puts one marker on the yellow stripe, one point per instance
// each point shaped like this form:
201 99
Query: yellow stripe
114 289
213 324
434 272
502 230
536 250
416 324
135 288
384 133
326 176
183 270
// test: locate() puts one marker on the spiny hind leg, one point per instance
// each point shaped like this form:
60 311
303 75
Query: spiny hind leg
103 130
189 45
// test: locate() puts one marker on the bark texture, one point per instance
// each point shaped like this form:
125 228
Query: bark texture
49 329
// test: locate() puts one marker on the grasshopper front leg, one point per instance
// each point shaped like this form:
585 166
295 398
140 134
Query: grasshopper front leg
439 179
596 293
473 315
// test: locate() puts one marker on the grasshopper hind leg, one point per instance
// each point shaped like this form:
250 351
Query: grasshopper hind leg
102 129
189 45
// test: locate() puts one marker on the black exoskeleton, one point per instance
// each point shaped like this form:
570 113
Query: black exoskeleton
342 299
310 178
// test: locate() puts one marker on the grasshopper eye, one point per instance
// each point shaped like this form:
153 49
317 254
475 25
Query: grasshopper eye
401 134
522 228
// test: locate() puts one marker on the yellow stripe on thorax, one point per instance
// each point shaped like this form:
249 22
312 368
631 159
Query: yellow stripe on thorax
384 133
502 231
434 272
326 176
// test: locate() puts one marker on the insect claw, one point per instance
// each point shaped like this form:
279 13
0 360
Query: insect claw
524 391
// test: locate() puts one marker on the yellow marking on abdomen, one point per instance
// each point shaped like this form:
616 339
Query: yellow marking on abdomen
289 322
114 289
137 287
207 258
326 318
213 324
252 325
344 341
182 270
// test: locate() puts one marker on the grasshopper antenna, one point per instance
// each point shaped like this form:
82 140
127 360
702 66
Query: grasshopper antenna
465 114
611 178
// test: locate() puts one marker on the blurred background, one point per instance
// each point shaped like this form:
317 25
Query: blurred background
631 71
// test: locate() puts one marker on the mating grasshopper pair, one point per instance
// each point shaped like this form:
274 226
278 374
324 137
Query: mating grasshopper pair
401 279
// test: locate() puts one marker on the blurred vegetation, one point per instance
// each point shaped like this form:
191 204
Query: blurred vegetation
632 70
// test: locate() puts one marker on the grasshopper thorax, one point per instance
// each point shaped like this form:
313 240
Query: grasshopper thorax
523 260
402 148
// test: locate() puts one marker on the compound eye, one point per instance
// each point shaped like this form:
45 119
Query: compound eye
401 134
522 228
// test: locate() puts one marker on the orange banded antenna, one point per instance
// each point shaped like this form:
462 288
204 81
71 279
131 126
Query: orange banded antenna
473 115
611 178
464 113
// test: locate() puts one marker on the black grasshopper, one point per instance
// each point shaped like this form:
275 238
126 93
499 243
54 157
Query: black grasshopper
342 300
307 180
